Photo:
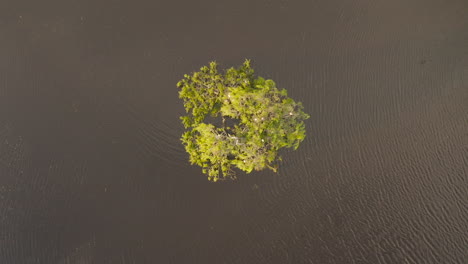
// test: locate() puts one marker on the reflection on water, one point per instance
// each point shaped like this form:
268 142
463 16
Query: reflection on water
92 169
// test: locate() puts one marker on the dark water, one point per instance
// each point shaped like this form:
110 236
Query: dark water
92 171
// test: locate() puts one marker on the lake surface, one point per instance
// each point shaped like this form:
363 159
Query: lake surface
92 169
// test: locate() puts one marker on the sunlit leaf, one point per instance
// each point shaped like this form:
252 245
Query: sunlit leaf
262 120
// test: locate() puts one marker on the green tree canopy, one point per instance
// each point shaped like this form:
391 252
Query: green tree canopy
255 120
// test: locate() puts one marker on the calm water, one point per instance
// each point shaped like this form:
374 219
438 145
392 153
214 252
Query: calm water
92 170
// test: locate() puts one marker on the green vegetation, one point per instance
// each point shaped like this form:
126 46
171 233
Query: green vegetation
255 120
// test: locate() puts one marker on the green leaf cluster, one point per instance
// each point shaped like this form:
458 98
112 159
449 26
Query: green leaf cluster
257 119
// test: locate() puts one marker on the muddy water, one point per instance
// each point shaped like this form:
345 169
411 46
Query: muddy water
92 171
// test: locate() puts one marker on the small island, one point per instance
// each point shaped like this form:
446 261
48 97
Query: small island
237 120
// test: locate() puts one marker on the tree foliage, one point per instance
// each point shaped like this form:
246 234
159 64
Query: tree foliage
257 119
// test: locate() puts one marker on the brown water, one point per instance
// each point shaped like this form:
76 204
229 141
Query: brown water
92 170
